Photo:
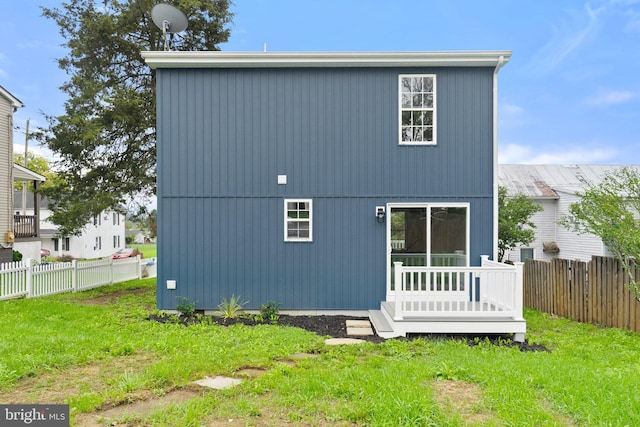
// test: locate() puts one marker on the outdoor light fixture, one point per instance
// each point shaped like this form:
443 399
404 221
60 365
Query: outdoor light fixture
380 212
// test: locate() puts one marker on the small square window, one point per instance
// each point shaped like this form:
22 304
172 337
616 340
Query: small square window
526 253
298 220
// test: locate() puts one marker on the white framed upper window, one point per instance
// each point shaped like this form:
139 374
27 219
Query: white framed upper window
298 220
417 109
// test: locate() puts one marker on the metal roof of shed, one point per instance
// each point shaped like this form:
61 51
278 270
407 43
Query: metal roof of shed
545 181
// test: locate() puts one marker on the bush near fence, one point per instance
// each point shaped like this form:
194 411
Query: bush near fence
28 279
593 292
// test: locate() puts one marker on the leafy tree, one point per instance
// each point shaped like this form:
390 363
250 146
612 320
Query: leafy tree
39 165
143 220
106 137
610 211
151 221
514 221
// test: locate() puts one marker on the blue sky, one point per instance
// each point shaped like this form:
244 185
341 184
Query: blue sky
570 94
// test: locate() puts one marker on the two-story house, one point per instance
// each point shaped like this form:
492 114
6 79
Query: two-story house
555 188
333 183
101 237
22 230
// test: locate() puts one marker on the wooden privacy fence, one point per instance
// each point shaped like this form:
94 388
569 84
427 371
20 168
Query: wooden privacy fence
28 279
593 292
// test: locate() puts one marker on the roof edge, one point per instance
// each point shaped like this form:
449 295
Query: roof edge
217 59
21 172
15 102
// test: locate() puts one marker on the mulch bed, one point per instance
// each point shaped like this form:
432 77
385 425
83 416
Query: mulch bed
335 326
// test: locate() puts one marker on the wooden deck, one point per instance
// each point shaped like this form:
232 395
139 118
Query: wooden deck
469 300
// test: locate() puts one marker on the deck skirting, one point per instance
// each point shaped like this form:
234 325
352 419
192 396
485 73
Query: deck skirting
387 327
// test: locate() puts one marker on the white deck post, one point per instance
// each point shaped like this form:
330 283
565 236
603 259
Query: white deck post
398 289
519 295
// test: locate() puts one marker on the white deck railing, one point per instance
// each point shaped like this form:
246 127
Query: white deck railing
33 280
493 290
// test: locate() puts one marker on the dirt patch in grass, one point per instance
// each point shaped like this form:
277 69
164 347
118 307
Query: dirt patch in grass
268 414
561 419
137 409
112 297
463 398
249 372
57 386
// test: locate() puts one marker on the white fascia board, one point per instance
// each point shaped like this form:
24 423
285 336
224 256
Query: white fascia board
15 102
20 173
217 59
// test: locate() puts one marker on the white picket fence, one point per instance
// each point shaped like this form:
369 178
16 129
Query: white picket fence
26 278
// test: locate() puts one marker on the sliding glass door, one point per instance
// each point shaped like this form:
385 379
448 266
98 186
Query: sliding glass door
431 235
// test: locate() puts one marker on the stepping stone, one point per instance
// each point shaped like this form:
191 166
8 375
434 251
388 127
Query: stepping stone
341 341
359 328
358 323
218 382
359 332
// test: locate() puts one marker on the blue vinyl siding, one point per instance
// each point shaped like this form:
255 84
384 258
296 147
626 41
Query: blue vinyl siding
225 134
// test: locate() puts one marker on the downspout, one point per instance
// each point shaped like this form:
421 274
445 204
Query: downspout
499 65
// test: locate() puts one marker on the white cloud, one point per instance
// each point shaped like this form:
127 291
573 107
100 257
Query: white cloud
512 109
563 43
609 97
522 154
30 44
36 149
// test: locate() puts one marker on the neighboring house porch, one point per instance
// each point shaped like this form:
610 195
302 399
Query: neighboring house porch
26 222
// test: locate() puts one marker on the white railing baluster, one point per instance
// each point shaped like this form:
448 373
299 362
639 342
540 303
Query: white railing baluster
492 290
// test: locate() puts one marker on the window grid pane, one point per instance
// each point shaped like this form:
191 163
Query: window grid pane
298 220
417 104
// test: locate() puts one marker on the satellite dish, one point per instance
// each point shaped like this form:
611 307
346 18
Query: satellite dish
170 20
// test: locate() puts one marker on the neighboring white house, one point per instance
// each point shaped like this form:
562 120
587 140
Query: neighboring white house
554 187
101 237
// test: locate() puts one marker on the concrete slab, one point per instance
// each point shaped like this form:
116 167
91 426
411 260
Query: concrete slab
343 341
218 382
358 323
360 332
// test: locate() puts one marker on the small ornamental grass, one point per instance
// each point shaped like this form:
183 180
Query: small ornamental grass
231 309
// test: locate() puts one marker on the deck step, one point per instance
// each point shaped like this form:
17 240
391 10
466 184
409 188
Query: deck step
359 328
379 322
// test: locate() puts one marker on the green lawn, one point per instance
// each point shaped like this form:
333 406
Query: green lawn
148 249
95 350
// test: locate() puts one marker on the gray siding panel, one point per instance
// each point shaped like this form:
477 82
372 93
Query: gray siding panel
225 135
6 166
